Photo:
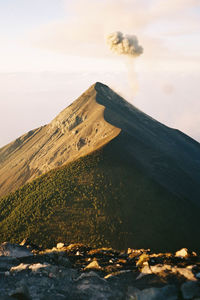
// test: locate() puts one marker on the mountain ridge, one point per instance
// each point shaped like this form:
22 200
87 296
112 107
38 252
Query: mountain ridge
125 181
100 116
103 200
37 152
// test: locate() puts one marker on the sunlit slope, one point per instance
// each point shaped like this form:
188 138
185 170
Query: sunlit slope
126 180
76 131
101 200
97 117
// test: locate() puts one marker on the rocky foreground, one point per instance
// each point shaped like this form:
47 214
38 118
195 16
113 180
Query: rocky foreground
80 272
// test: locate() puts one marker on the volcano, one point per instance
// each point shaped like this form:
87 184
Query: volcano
104 173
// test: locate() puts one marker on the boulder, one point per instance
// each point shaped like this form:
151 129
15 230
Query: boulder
14 250
168 292
190 289
21 293
60 245
183 253
93 265
90 286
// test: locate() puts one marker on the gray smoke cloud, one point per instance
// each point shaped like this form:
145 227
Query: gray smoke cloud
124 44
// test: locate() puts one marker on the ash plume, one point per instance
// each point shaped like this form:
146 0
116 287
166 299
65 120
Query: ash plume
128 46
124 44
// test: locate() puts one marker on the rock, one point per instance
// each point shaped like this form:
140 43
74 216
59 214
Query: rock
40 268
131 292
136 252
37 268
164 270
116 274
7 262
14 250
20 268
86 275
186 272
60 245
129 251
21 293
183 253
103 252
90 286
7 273
190 289
93 265
103 273
143 258
51 296
168 292
27 242
6 298
78 247
64 261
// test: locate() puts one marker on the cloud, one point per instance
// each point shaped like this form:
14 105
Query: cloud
127 45
88 22
124 44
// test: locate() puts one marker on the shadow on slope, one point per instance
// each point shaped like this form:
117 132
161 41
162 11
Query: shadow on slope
100 200
168 156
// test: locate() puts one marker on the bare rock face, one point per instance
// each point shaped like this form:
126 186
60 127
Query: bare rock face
111 274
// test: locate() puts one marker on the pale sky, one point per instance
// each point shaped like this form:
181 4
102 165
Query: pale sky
52 50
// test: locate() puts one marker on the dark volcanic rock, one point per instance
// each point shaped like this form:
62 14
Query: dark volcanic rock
13 250
190 289
168 292
78 272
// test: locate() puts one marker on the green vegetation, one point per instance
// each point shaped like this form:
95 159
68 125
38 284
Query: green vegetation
100 200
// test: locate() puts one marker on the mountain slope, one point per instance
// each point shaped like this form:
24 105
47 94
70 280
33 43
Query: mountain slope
167 155
101 200
76 131
96 118
126 180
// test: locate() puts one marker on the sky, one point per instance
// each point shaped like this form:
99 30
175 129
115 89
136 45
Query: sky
53 50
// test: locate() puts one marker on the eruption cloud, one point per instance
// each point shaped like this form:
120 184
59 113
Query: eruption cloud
124 44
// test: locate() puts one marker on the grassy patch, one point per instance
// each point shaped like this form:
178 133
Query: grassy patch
100 200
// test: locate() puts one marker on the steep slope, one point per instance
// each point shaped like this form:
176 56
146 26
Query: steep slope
167 155
126 179
101 200
96 118
76 131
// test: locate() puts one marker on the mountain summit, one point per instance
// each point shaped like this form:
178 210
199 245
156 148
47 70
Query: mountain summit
96 118
111 176
78 130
